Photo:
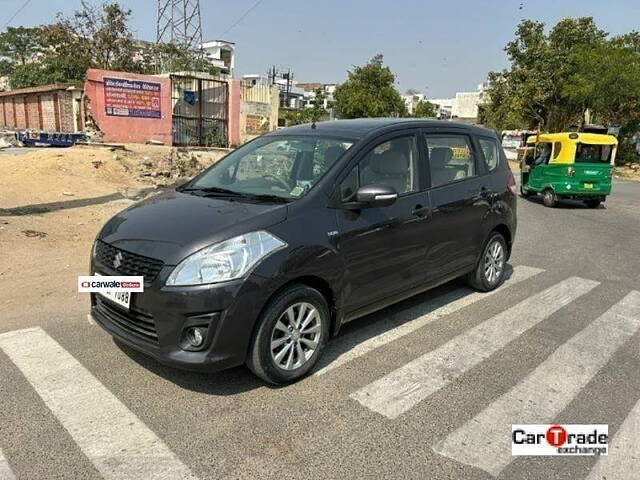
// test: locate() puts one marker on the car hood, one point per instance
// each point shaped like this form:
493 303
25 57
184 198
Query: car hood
173 225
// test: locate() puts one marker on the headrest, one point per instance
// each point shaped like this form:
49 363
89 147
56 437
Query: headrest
390 163
440 156
332 154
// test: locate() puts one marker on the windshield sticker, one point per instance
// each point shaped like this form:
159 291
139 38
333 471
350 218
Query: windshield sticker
297 191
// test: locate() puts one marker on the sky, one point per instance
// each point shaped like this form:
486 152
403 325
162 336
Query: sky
438 47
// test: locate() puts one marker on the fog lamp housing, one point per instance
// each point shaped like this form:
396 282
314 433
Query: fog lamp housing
198 332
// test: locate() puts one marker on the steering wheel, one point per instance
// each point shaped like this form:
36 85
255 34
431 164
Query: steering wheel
278 180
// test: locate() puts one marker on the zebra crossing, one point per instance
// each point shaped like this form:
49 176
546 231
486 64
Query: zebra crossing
5 471
121 446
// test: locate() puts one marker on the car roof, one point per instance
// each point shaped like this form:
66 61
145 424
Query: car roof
362 127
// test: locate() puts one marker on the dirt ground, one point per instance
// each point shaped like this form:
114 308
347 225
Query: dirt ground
52 204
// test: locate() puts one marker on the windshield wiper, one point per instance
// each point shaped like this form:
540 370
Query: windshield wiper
211 190
265 197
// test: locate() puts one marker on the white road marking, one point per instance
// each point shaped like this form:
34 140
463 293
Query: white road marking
623 460
119 445
520 273
402 389
485 440
5 469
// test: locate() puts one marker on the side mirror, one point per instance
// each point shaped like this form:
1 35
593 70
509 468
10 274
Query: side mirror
374 195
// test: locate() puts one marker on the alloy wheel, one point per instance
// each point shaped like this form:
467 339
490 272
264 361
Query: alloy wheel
296 336
494 262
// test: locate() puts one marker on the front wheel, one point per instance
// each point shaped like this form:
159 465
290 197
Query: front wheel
292 332
592 202
490 271
549 198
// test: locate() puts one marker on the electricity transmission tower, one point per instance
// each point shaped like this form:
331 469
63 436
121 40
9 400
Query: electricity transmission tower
179 22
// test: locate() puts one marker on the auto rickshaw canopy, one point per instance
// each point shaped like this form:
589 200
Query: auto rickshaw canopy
565 144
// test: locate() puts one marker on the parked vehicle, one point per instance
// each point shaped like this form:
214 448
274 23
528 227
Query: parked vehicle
568 165
514 140
262 257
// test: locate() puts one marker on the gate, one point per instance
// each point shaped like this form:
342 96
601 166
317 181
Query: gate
199 111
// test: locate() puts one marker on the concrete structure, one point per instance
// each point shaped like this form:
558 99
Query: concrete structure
411 100
128 107
54 108
259 109
221 54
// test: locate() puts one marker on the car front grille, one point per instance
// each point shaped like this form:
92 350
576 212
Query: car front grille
136 323
127 263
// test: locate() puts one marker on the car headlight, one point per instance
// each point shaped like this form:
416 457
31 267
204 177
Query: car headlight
225 261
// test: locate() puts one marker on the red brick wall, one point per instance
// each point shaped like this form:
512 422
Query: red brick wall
128 129
33 113
50 110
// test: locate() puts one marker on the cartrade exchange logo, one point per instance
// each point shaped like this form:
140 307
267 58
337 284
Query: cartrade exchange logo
559 439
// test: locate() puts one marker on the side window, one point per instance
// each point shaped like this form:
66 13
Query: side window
491 153
393 163
556 149
450 158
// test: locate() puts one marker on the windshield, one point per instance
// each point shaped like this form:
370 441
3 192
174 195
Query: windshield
286 167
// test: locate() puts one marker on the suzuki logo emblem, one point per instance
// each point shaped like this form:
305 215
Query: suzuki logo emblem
117 260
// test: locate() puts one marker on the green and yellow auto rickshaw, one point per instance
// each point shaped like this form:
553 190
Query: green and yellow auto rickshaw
568 165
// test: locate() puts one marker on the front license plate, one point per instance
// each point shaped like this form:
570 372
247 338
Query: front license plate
121 298
588 186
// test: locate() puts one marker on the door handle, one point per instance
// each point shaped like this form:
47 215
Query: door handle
419 210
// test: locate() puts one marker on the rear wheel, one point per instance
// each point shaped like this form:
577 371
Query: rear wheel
489 273
549 198
292 332
593 202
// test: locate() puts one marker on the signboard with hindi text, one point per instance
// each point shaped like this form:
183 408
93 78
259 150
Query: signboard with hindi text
132 98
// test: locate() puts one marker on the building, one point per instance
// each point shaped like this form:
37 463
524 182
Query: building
411 100
463 107
444 107
221 54
291 96
310 90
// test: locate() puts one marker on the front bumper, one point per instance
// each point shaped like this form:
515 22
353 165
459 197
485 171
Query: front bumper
158 317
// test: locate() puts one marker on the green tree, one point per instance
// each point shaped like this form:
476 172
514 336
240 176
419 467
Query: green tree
424 109
369 92
20 45
536 84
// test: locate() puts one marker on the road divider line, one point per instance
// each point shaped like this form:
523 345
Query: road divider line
485 441
623 460
5 470
454 303
118 444
402 389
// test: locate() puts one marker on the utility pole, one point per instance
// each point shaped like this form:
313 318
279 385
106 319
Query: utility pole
179 22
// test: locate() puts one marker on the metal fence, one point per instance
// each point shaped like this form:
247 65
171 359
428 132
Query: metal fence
199 111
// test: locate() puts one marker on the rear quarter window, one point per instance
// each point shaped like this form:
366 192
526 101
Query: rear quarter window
490 152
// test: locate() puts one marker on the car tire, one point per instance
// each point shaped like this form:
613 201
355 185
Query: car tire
549 198
299 357
593 202
484 278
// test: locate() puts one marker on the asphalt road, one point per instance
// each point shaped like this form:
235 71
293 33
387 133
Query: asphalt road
426 389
